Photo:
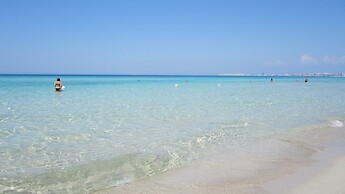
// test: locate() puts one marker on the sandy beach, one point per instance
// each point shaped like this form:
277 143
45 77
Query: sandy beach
326 179
307 163
330 180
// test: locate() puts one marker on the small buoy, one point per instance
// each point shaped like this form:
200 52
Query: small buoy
176 85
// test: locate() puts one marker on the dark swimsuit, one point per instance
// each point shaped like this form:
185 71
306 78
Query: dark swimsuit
58 89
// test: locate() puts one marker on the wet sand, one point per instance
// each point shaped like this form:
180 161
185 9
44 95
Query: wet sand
309 162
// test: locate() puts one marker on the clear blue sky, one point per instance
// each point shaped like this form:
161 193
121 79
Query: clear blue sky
171 37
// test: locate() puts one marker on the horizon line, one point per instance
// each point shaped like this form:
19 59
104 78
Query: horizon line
190 75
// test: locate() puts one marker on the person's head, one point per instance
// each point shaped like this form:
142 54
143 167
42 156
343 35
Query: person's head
58 79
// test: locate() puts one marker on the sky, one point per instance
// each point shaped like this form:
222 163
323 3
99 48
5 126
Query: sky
172 37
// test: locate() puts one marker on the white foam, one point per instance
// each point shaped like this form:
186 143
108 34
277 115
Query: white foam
336 123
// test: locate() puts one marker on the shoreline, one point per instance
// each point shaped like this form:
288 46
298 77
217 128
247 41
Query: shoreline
307 159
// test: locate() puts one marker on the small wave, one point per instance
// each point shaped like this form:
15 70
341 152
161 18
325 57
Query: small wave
336 123
93 176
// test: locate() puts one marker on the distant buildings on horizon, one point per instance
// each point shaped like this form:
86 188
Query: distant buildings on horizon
286 74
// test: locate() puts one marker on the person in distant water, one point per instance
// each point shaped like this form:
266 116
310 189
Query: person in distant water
306 79
58 85
271 79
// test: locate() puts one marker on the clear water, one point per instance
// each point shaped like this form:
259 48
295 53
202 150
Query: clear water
102 131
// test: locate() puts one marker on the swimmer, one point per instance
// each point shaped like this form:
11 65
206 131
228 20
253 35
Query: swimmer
58 85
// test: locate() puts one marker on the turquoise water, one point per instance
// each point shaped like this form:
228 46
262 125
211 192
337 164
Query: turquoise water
102 131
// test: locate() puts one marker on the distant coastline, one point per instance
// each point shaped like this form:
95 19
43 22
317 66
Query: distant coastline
291 75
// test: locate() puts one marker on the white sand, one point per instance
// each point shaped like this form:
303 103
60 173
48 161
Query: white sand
327 175
331 180
279 165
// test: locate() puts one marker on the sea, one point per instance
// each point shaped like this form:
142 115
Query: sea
103 131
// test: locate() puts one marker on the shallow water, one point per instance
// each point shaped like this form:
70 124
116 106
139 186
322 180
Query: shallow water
103 131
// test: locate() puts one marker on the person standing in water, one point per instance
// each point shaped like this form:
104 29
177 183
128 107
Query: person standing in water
58 85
